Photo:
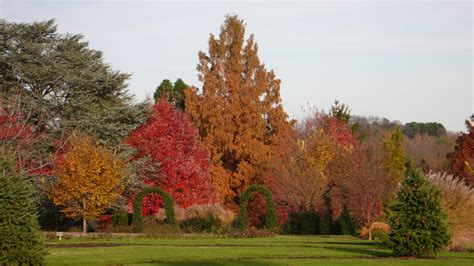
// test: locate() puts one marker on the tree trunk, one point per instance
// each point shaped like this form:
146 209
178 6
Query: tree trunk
84 222
370 233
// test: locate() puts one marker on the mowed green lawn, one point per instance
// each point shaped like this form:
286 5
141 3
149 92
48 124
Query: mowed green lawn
280 250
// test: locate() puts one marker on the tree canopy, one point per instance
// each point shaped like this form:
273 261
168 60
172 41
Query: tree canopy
65 84
89 179
238 112
173 93
170 140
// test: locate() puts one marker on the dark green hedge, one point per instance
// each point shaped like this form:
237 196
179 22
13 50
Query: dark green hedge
243 218
138 205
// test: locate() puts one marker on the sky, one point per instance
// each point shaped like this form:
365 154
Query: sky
403 60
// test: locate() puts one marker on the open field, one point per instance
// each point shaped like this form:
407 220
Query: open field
280 250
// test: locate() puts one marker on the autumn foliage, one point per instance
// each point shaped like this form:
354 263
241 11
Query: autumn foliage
170 139
302 173
462 158
238 112
89 179
200 148
19 138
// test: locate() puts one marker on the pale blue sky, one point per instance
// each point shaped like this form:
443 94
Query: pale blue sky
407 61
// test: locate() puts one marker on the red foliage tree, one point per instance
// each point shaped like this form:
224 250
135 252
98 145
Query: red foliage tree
18 137
339 131
170 139
462 158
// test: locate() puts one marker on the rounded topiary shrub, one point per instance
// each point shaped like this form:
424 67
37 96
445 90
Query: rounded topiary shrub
417 219
19 240
138 205
242 220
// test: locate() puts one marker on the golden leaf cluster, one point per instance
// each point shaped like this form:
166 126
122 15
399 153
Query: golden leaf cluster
89 179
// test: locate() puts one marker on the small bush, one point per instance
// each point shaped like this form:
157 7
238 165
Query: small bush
379 235
120 219
376 229
253 232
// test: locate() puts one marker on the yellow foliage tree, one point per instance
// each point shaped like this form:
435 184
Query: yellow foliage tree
89 180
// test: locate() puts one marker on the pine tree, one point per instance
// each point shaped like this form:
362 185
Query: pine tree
326 225
346 222
19 241
417 219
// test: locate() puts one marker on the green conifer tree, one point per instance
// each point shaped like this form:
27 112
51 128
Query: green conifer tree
417 219
19 240
346 222
326 225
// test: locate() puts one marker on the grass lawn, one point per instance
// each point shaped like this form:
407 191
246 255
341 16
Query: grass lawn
280 250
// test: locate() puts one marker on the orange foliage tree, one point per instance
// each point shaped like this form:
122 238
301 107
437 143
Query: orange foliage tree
89 179
238 112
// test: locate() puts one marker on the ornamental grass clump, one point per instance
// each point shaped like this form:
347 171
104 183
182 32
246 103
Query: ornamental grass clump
205 218
458 199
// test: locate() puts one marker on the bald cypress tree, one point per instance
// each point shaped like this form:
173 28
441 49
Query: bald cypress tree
19 240
238 112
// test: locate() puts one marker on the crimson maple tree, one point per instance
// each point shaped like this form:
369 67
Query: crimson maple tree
170 139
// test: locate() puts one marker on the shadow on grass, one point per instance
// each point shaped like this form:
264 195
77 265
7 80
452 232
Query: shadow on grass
360 251
378 244
218 262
